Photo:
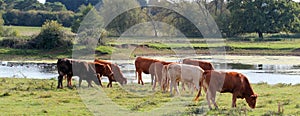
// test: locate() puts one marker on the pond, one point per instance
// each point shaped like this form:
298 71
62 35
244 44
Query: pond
271 74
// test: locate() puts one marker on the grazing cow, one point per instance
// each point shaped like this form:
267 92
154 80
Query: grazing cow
157 68
69 68
117 74
232 82
144 65
204 65
185 74
64 67
87 71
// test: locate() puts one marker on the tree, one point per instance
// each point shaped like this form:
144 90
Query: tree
1 25
83 11
75 4
56 6
261 16
51 36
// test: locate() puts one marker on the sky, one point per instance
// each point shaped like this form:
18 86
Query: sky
43 1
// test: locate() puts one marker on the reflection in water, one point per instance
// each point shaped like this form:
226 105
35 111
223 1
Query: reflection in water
271 74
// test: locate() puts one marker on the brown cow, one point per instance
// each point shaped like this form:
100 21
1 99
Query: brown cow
117 74
143 65
204 65
233 82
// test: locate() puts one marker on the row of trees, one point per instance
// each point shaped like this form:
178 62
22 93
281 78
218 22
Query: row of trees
233 17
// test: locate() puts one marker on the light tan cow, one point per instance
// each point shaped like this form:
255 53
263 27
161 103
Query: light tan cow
183 73
157 68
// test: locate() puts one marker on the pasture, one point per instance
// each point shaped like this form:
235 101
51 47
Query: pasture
30 31
20 96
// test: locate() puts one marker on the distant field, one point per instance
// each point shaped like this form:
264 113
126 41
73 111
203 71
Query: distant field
29 31
40 97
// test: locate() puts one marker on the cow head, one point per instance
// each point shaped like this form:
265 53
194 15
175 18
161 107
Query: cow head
251 100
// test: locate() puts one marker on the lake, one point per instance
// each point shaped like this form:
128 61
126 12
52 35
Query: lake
256 73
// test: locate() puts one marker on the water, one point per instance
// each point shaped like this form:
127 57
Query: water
272 74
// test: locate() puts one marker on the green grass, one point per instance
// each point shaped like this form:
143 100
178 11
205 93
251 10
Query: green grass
33 54
40 97
29 31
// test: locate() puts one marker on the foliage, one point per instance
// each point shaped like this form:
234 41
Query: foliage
262 16
74 5
36 18
51 36
83 11
55 7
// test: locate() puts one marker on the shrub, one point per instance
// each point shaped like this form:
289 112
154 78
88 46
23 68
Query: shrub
51 36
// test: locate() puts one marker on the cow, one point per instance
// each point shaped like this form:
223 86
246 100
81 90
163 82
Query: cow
117 74
88 71
144 65
64 68
185 74
157 68
204 65
232 82
67 67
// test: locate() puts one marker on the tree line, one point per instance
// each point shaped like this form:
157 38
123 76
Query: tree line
233 17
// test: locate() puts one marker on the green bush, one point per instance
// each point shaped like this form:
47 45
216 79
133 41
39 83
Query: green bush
51 36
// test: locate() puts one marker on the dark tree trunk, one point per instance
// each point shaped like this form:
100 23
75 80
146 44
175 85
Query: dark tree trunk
260 35
216 7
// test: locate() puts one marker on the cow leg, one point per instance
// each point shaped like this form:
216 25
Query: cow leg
80 81
234 95
171 86
213 100
208 95
110 82
154 84
152 79
99 79
69 81
177 90
140 77
59 84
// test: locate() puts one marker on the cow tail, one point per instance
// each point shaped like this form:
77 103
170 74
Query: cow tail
201 85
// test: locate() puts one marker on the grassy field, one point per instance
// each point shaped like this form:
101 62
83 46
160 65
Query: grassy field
29 31
277 44
40 97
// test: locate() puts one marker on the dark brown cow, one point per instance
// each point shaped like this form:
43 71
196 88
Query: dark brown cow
88 71
204 65
143 65
117 74
64 67
232 82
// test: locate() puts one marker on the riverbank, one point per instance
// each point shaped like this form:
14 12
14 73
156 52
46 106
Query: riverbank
40 97
243 59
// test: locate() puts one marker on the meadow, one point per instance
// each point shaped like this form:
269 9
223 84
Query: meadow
19 96
247 44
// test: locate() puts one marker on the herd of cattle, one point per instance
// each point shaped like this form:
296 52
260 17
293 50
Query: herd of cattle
194 73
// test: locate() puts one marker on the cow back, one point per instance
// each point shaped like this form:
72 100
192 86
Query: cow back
204 65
